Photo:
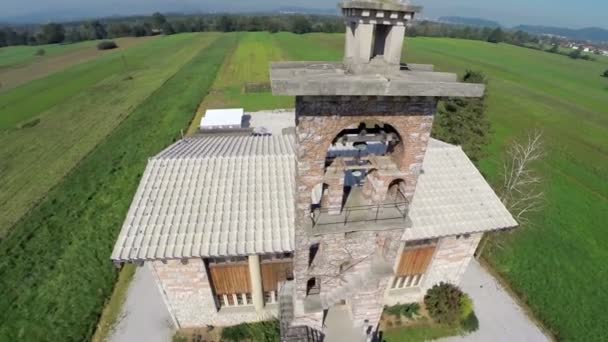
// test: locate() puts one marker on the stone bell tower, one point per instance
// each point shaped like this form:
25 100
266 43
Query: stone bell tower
362 129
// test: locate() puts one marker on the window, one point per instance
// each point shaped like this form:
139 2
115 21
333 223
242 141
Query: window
406 281
270 297
313 287
234 299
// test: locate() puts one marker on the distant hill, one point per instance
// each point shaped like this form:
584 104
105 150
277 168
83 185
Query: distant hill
477 22
591 33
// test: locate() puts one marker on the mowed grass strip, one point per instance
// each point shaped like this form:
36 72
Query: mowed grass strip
34 159
248 63
17 56
55 272
12 77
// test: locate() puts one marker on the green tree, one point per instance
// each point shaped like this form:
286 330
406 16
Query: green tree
225 24
575 54
158 20
52 34
497 36
119 30
94 30
301 24
168 29
463 121
554 49
605 73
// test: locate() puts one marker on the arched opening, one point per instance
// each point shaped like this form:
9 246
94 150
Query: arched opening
355 153
396 193
359 142
313 286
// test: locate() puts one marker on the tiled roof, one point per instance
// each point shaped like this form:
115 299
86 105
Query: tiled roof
234 195
213 196
453 198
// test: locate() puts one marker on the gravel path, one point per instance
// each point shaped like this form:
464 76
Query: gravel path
145 316
500 317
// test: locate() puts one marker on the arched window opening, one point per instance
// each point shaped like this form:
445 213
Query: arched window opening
356 144
313 286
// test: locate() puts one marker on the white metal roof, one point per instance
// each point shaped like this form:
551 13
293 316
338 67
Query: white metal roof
213 196
453 198
234 195
214 118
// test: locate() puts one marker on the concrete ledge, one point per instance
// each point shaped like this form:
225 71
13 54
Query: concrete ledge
380 5
328 85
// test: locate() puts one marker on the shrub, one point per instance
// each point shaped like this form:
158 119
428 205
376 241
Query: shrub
443 303
470 323
40 52
107 45
407 310
266 331
466 306
605 73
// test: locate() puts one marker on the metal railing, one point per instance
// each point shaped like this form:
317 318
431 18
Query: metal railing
361 213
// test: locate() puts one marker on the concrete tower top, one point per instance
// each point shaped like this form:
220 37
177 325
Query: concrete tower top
375 31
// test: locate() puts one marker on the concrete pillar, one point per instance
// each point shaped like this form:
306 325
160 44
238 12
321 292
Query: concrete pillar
365 36
255 272
394 45
350 46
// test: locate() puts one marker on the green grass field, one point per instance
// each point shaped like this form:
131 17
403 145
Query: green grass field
62 245
73 111
22 55
557 263
54 269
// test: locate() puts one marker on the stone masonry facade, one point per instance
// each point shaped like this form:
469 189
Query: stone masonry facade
319 120
187 292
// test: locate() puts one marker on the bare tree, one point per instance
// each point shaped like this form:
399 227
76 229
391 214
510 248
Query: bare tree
521 191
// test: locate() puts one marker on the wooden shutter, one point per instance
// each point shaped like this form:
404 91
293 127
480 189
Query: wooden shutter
415 261
229 279
275 272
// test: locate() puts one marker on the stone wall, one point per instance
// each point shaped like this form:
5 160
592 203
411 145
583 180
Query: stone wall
449 263
187 292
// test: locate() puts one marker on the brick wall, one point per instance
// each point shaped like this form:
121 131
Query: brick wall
187 292
319 121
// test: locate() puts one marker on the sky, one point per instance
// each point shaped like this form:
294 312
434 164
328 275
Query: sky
562 13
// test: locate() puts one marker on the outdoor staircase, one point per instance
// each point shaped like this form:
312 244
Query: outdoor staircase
291 333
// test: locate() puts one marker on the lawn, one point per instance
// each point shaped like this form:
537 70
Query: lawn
420 333
73 111
55 272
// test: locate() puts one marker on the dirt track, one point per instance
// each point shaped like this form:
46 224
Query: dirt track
13 77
